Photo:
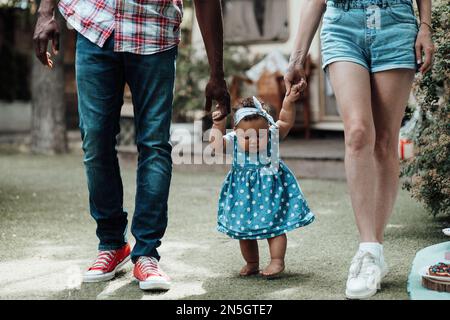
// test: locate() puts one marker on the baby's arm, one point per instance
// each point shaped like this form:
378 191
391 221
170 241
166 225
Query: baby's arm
217 132
286 119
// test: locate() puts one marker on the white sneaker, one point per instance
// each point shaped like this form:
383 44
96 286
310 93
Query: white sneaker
365 275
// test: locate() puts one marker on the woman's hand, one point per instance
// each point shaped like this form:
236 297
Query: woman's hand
311 12
424 44
295 76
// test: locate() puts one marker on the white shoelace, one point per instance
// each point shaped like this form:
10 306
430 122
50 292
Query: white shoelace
104 258
149 265
364 265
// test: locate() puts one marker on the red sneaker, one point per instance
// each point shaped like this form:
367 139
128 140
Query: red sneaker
107 264
149 274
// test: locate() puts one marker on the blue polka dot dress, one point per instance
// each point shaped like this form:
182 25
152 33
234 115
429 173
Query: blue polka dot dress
260 197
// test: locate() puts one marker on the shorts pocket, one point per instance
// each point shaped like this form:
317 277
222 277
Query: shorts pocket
332 14
402 13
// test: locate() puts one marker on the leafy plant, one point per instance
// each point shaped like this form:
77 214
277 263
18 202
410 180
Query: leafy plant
193 73
22 4
429 170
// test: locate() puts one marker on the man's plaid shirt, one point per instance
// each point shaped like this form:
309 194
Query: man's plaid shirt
139 26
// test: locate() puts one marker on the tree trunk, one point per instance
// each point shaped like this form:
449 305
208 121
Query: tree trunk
48 128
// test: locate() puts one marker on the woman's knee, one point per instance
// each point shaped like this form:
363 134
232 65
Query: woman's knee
360 138
386 146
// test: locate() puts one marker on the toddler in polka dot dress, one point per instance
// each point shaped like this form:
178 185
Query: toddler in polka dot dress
260 197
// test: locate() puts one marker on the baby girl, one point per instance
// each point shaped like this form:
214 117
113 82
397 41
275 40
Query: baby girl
260 197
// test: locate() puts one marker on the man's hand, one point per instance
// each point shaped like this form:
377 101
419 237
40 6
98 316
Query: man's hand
46 30
216 90
217 118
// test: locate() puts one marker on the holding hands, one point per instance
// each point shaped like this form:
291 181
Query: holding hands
217 117
286 118
295 92
217 90
295 76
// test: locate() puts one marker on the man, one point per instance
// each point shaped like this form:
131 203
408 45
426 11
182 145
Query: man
133 42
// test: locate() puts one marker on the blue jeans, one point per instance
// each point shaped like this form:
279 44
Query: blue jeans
376 34
101 75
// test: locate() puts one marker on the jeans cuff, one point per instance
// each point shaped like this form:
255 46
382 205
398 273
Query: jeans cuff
135 258
105 247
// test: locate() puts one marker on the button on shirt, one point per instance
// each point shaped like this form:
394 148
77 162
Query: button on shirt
139 26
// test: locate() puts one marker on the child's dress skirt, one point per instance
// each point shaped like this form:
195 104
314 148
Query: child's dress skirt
257 205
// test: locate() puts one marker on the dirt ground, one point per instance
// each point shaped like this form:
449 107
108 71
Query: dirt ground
48 238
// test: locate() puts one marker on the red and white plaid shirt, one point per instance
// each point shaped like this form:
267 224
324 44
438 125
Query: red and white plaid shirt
139 26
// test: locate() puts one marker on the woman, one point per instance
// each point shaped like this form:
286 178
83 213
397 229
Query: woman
370 51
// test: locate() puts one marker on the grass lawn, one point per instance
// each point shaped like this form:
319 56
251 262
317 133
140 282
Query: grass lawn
48 239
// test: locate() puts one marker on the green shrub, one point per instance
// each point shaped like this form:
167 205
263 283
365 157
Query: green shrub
428 172
193 74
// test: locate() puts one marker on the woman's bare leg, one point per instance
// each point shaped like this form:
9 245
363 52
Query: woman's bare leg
250 252
351 84
390 93
277 247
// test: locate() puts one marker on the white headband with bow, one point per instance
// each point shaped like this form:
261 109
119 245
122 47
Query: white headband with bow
245 112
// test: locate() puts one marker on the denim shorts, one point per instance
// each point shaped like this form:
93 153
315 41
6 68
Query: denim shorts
377 34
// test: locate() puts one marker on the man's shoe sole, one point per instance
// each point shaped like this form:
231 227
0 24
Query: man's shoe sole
105 276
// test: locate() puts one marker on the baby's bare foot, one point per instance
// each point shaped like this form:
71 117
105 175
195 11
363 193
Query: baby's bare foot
249 269
275 267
